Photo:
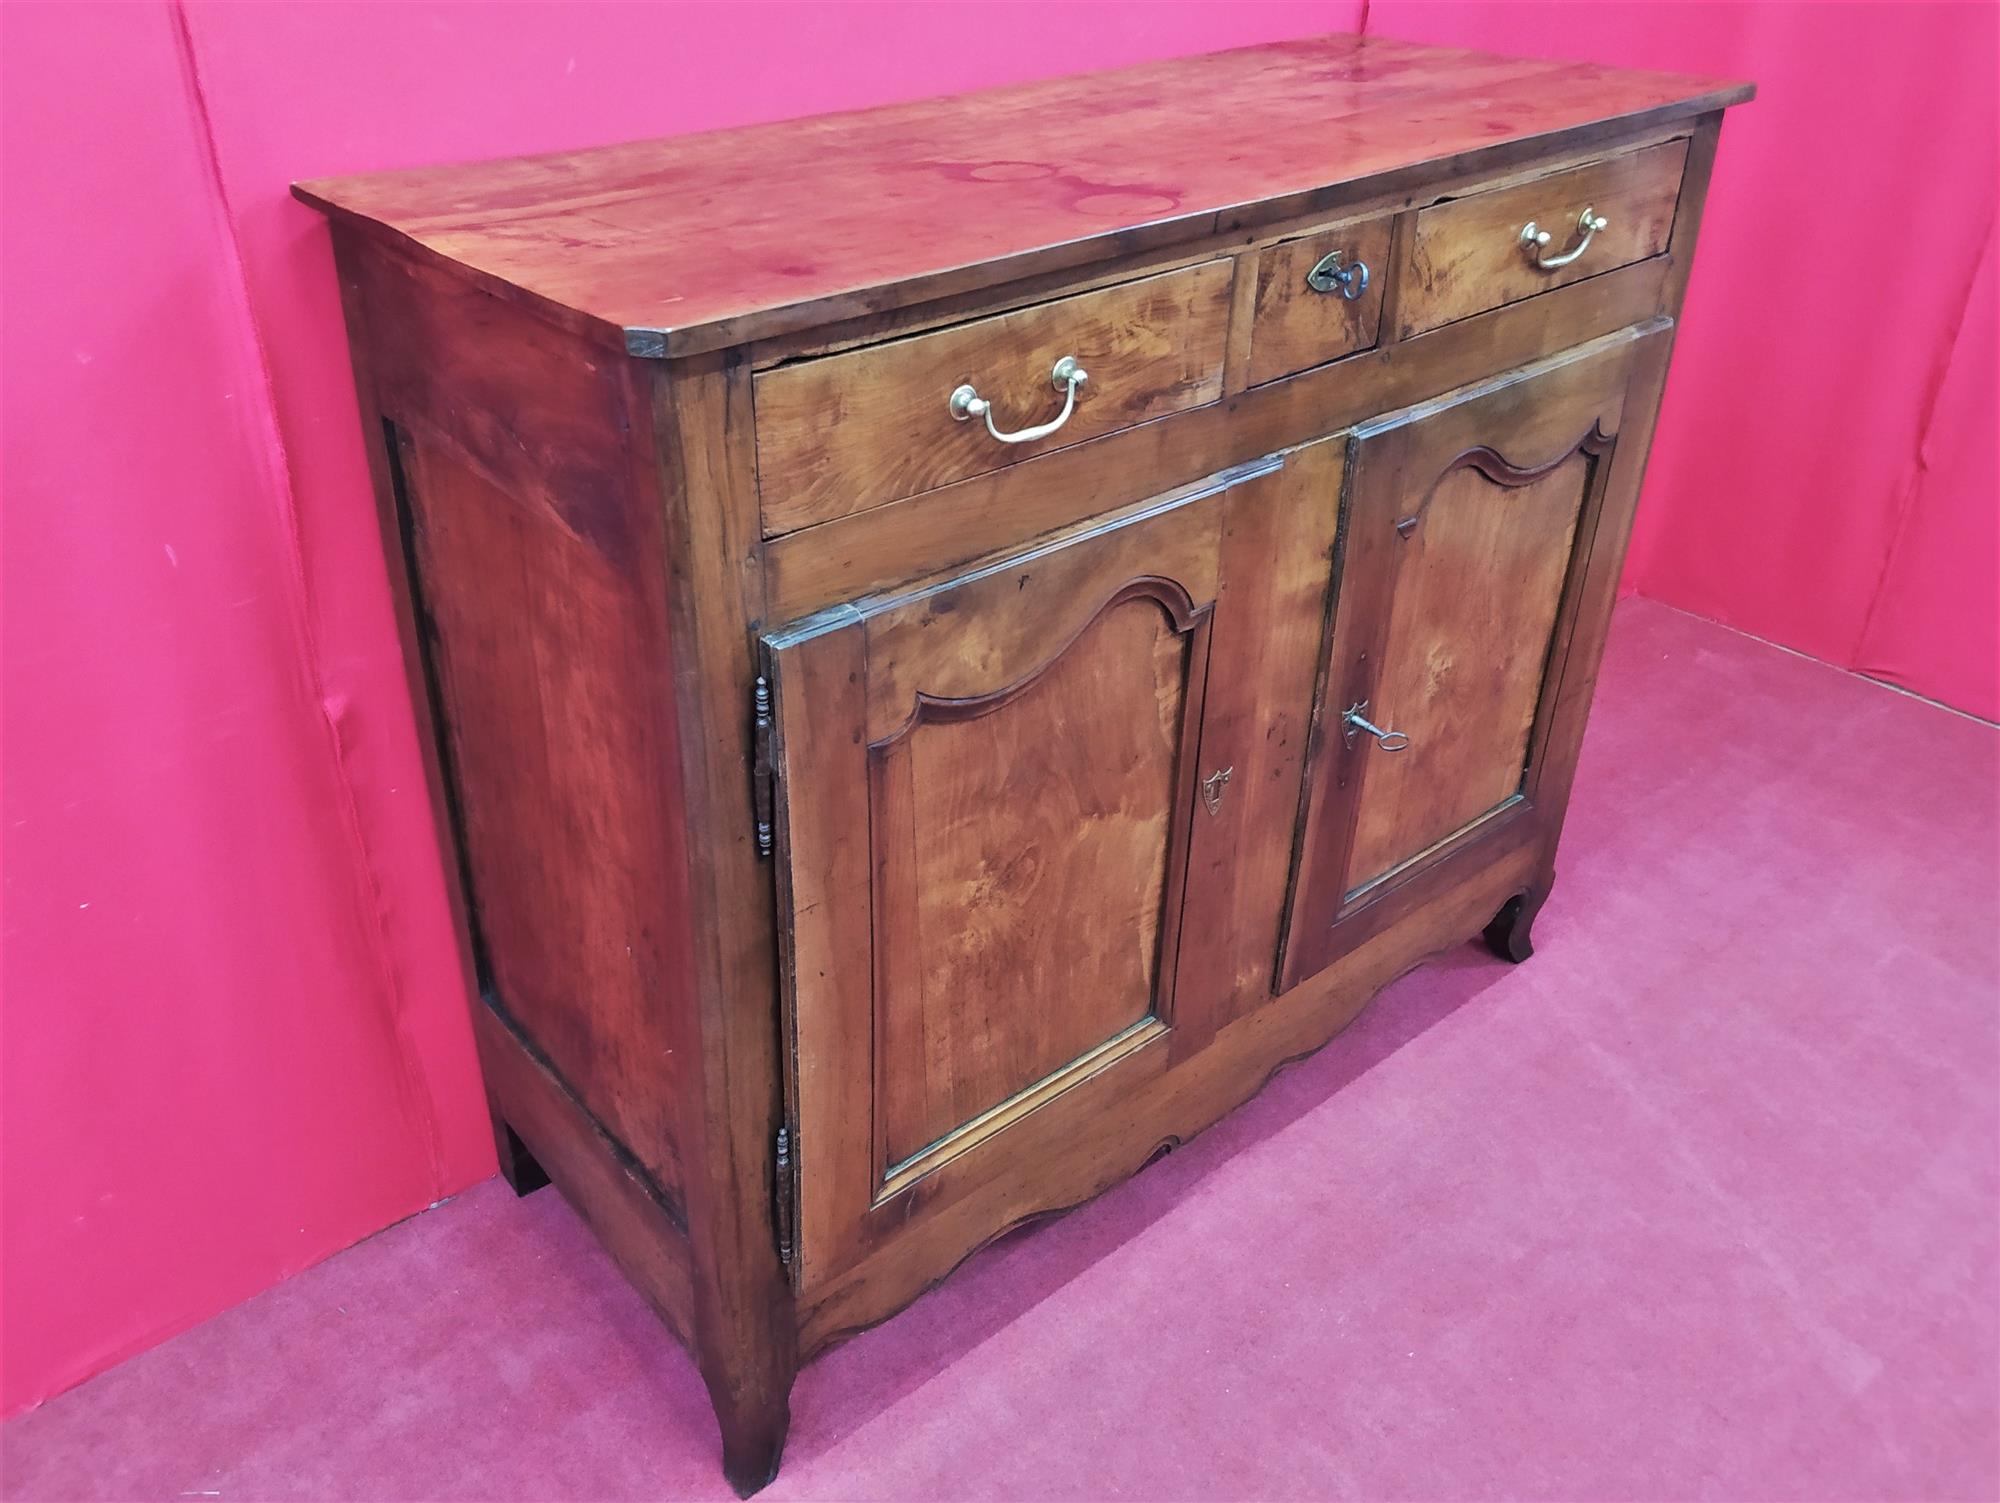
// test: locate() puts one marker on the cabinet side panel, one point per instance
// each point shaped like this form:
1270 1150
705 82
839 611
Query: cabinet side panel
532 641
530 563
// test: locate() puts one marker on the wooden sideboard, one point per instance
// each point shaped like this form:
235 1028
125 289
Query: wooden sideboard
956 639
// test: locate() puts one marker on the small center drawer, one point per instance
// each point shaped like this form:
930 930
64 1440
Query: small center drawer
853 431
1319 297
1476 253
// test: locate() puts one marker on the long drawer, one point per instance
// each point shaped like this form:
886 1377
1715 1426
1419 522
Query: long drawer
853 431
1471 254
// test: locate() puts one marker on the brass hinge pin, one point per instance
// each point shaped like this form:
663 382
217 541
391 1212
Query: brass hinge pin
783 1199
762 771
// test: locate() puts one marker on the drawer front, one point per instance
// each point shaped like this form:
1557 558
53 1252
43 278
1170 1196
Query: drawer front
1470 254
1318 298
858 430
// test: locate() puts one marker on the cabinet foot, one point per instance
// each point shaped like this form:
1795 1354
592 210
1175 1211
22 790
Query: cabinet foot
517 1166
753 1440
1509 935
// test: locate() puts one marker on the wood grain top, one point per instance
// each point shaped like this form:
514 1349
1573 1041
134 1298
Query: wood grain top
696 242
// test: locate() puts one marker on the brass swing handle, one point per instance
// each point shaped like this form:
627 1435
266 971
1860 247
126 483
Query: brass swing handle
966 404
1389 741
1534 241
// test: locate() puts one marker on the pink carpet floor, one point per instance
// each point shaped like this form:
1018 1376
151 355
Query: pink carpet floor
1701 1202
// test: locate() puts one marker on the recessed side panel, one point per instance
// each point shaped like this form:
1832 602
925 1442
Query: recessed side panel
534 639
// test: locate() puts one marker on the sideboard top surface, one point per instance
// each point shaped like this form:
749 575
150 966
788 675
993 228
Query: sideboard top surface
696 242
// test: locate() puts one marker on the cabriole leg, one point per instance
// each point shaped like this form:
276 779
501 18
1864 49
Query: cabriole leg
1509 935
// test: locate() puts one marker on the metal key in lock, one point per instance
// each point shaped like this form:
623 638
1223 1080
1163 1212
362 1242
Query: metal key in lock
1353 720
1337 275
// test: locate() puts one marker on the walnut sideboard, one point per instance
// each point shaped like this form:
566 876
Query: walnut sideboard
955 639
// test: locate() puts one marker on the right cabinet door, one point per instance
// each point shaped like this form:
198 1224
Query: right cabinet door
1470 529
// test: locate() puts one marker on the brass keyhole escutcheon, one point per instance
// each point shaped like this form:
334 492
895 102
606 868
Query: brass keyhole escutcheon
1212 786
1337 275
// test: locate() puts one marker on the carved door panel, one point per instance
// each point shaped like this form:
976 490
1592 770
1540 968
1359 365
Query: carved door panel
1466 528
987 791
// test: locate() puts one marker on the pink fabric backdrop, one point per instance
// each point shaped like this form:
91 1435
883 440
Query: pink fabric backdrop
233 1025
1825 470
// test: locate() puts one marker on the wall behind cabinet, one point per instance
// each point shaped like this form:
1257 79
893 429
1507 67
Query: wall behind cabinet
1825 473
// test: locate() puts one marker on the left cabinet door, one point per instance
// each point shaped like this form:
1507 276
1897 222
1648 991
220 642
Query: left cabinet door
986 791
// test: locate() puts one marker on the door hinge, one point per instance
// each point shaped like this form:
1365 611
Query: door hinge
763 774
787 1146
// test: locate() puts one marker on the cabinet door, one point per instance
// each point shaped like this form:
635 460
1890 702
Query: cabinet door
988 788
1467 526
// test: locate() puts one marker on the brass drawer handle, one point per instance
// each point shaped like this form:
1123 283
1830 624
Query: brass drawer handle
1331 275
1389 741
966 403
1535 241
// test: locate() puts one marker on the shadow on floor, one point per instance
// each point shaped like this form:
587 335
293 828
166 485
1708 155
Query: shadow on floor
865 1374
